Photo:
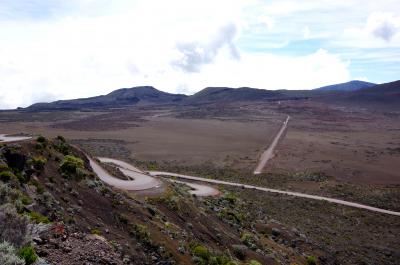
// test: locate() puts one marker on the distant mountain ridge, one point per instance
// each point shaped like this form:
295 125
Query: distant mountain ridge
348 86
384 96
118 98
354 92
227 94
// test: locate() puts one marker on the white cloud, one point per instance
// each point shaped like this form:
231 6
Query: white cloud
381 30
86 47
193 54
383 25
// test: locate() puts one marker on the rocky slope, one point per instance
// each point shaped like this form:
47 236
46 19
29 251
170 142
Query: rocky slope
54 210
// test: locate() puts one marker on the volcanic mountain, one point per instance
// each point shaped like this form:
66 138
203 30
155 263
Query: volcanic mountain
385 96
227 94
348 86
118 98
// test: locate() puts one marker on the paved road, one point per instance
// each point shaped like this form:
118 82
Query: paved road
140 180
4 138
135 184
199 189
269 153
290 193
119 163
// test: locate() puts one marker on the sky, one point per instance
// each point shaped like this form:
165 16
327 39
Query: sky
57 49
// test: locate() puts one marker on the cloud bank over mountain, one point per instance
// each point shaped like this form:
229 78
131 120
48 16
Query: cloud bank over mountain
79 48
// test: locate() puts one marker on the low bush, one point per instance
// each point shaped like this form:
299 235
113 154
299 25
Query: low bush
4 168
8 194
13 227
8 255
232 215
38 162
95 231
38 217
26 200
39 188
61 138
249 240
239 251
6 176
201 252
230 197
41 139
141 233
170 199
61 145
205 257
28 254
72 167
311 260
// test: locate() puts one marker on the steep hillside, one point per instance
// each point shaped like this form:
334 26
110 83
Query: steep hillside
53 208
348 86
118 98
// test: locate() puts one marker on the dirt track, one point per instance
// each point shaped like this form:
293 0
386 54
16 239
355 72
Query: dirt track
269 153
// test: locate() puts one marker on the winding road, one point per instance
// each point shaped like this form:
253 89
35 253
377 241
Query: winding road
139 181
269 153
142 181
290 193
4 138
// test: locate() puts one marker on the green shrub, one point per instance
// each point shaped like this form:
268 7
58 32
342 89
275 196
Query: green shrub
231 215
249 240
8 255
39 187
95 231
201 252
62 148
8 194
38 162
72 167
205 257
61 138
141 233
41 139
311 260
6 176
4 168
38 217
28 254
40 146
26 200
61 145
22 178
239 251
170 199
230 197
13 227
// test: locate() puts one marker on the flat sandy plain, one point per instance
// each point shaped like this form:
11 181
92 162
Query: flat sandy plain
348 144
153 137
